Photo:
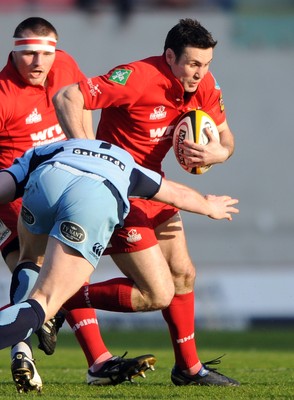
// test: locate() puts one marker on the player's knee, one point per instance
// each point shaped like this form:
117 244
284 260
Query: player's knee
184 278
161 299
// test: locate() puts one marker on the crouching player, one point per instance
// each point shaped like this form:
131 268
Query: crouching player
75 193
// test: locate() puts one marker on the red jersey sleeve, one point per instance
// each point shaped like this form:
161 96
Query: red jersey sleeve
118 88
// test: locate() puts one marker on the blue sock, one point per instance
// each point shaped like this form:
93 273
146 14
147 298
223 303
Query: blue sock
23 279
19 321
22 282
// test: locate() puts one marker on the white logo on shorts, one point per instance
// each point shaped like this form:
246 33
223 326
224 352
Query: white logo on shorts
134 236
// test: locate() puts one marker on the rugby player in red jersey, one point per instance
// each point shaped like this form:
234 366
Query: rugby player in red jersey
141 102
34 72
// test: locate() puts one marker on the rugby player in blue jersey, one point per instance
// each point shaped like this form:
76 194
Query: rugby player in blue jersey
75 193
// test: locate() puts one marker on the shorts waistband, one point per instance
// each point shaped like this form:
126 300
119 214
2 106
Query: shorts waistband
78 172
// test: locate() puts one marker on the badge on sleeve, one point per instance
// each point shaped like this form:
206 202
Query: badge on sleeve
120 76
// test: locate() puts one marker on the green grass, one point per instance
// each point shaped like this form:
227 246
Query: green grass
263 361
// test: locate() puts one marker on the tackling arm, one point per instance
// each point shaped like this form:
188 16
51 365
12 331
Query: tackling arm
187 199
73 118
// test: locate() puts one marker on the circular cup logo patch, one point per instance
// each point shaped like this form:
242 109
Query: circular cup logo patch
72 232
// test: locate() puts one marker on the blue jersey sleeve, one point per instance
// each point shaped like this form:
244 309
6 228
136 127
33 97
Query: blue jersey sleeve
23 166
144 183
19 170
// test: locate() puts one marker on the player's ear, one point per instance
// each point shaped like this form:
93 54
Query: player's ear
170 56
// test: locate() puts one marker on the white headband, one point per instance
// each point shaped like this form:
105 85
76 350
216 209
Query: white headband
35 43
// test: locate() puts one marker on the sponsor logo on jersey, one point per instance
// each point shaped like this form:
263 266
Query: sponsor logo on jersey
34 117
120 76
98 249
72 232
158 113
106 157
93 89
27 216
162 133
134 236
4 232
49 135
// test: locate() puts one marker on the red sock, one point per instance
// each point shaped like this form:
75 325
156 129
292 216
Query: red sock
84 324
179 316
111 295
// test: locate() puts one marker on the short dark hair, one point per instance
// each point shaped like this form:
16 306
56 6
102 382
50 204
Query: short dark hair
38 25
188 32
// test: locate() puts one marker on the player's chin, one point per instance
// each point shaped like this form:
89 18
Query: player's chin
191 87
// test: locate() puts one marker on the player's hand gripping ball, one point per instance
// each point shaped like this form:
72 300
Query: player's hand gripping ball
191 126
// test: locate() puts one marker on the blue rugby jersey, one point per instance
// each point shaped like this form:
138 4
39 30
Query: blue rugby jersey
94 157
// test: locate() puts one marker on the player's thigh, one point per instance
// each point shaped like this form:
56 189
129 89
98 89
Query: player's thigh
79 209
64 271
149 270
172 242
32 246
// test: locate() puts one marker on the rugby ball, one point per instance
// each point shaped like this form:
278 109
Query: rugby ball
191 126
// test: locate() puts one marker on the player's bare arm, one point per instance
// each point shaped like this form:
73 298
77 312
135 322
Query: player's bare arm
69 107
215 152
88 124
188 199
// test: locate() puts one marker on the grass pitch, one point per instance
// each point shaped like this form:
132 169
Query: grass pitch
262 360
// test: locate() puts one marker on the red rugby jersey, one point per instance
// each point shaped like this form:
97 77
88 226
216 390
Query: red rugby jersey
141 102
27 115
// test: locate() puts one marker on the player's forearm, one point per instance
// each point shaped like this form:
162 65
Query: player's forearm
187 199
182 197
190 200
228 142
69 108
88 124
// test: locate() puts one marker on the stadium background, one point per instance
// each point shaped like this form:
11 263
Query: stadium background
245 268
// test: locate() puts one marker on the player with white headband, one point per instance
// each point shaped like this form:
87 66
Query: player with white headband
47 44
34 72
